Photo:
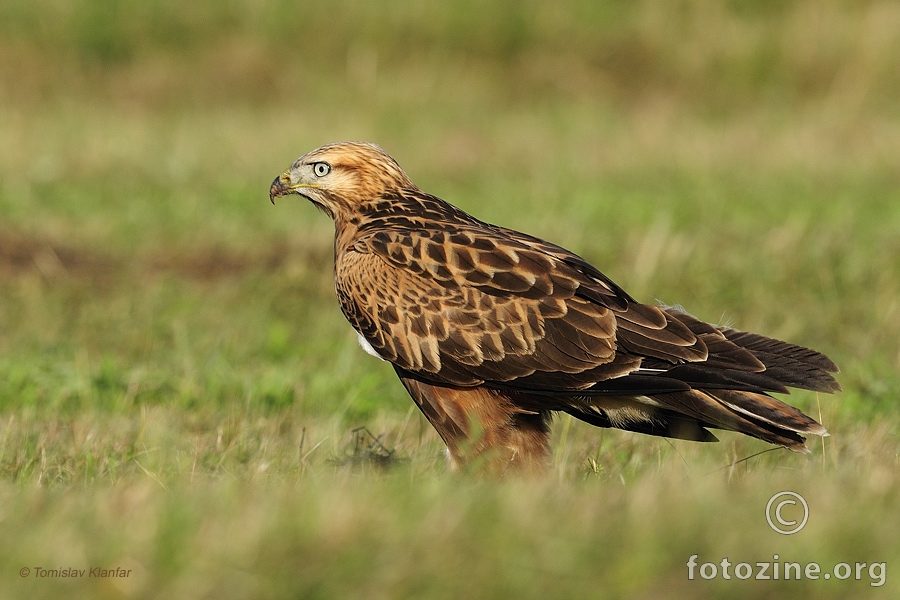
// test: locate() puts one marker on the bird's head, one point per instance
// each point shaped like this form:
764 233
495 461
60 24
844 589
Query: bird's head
339 177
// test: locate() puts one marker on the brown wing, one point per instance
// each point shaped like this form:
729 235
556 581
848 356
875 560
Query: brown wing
465 307
434 304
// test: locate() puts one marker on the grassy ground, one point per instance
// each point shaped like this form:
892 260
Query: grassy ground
180 396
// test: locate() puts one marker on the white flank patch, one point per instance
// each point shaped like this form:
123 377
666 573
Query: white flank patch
367 346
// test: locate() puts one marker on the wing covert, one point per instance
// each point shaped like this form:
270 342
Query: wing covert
463 309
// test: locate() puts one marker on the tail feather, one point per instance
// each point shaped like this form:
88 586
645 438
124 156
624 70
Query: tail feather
728 390
687 414
719 415
734 396
765 408
757 415
661 422
794 366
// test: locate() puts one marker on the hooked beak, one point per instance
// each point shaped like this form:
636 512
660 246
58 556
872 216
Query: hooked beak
280 187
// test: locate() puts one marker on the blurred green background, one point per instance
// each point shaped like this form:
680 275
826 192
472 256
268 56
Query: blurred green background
178 388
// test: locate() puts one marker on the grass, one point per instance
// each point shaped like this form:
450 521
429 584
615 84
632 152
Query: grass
179 394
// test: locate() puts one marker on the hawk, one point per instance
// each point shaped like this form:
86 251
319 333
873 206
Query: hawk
491 330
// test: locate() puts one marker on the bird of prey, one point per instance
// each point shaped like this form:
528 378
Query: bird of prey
492 330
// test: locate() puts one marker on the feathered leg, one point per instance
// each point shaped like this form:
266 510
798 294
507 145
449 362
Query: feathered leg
484 429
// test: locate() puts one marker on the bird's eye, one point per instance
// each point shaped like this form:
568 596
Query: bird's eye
321 169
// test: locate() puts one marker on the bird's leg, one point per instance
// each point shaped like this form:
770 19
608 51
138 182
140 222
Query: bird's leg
484 429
